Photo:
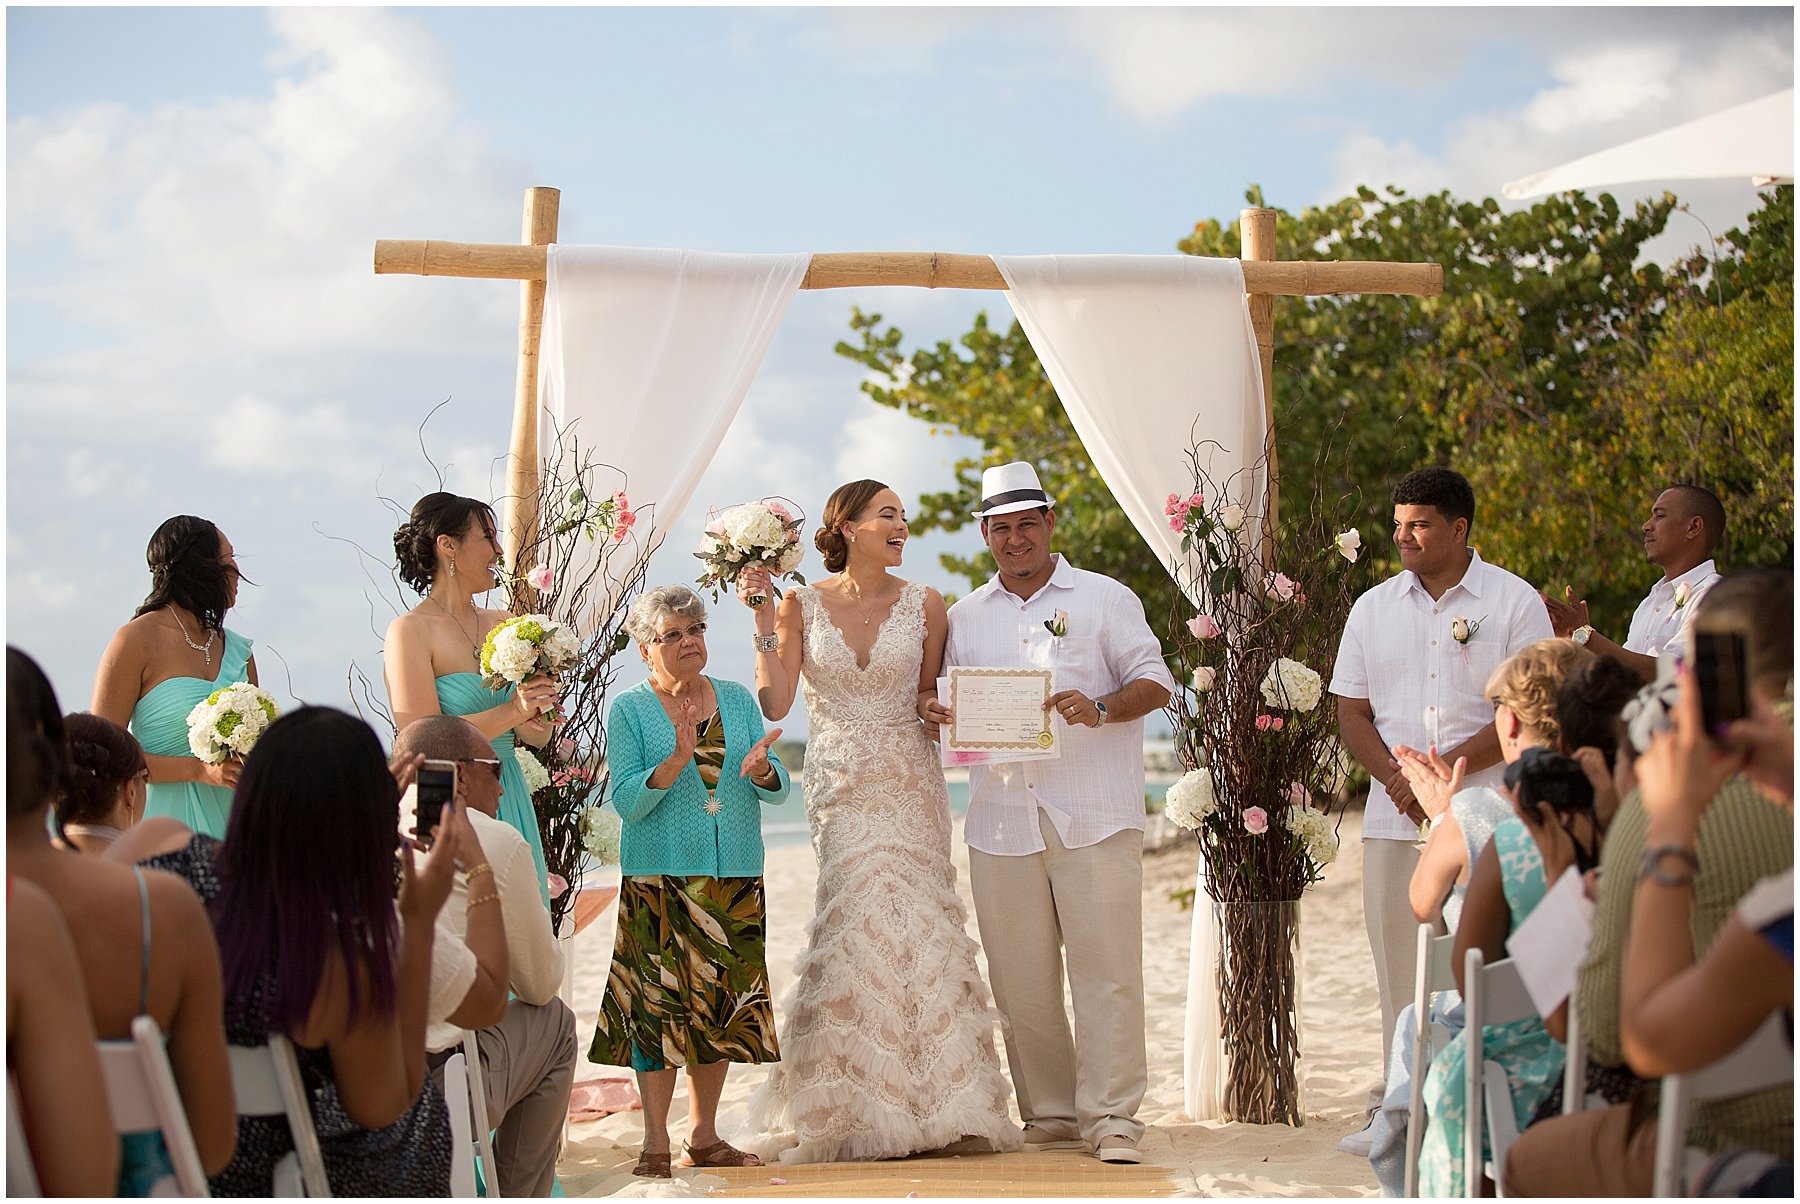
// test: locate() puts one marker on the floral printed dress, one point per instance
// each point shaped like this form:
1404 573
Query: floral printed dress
1531 1058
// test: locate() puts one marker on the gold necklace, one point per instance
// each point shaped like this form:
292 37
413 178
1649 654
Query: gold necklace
204 649
856 601
474 644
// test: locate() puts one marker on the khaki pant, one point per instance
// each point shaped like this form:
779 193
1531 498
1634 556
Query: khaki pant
528 1063
1591 1153
1393 932
1078 911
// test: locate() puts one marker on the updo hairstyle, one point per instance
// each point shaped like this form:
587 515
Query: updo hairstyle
185 568
1589 702
656 604
844 504
1526 683
435 514
102 756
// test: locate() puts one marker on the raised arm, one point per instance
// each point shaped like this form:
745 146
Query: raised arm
777 671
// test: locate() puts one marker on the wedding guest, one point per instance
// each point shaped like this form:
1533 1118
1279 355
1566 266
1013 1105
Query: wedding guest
106 786
1740 841
50 1058
141 938
528 1055
174 652
1056 854
315 945
447 552
689 985
1686 523
1415 653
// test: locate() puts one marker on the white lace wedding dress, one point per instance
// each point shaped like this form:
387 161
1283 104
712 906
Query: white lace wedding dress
887 1035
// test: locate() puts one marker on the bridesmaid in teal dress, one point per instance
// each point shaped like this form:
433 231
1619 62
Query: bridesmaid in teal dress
174 652
447 552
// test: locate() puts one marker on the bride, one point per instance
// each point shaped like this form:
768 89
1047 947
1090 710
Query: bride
887 1034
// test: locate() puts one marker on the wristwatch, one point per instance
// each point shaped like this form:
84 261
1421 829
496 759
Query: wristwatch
1101 707
1580 634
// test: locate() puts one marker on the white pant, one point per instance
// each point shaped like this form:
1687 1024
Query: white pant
1393 931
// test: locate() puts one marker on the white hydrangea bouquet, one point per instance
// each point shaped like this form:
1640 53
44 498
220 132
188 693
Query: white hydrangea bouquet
229 721
522 647
765 533
601 831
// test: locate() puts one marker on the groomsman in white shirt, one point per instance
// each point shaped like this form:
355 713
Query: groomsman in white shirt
1686 523
1056 846
1412 666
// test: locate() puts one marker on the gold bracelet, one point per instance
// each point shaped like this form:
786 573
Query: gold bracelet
482 868
490 897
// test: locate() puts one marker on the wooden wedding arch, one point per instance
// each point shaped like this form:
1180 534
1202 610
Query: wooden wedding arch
1265 278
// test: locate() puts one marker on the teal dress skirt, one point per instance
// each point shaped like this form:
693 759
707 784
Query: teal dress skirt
159 721
463 694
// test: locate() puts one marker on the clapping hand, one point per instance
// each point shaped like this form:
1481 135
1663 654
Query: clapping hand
687 731
1432 781
1565 615
756 761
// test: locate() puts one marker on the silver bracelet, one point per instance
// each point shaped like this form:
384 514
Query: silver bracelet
765 643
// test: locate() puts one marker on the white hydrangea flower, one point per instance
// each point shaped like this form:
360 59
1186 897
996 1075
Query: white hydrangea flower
1191 799
514 655
229 721
1291 686
532 770
560 645
753 527
1315 833
601 831
790 558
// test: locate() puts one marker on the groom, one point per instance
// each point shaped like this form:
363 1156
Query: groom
1056 846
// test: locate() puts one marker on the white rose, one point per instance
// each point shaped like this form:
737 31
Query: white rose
791 558
1204 677
1191 799
1232 517
1291 686
1349 544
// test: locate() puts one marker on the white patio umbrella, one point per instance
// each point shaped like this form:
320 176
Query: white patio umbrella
1754 140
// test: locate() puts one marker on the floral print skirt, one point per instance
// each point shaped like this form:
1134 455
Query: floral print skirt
689 983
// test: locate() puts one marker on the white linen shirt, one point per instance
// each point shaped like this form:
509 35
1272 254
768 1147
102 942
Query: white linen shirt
534 963
1658 625
1424 687
1096 787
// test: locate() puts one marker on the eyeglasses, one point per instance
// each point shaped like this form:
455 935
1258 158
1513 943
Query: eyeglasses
487 763
668 638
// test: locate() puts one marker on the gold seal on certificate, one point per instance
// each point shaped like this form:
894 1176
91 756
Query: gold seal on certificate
999 715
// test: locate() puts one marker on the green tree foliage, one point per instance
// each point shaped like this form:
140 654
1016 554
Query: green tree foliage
1566 377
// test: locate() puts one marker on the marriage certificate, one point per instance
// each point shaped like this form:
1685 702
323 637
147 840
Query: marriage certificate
999 715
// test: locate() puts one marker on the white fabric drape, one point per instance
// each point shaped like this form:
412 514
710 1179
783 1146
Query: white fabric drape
1152 356
645 358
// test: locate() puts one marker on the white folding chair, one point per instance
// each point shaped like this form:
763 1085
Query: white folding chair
1574 1063
21 1173
1491 995
1435 972
142 1097
1763 1061
478 1097
462 1151
266 1081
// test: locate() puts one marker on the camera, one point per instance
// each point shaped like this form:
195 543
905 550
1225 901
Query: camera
1543 776
433 787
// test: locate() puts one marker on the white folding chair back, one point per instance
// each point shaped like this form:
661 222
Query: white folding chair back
1491 995
266 1081
1435 972
21 1173
1574 1062
1763 1061
484 1138
142 1097
462 1150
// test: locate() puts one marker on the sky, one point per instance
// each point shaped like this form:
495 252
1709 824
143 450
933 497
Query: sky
193 196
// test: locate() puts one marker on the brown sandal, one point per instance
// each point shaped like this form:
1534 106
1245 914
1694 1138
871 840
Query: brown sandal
720 1153
653 1166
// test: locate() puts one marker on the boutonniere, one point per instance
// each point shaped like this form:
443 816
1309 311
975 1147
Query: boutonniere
1058 625
1462 630
1683 592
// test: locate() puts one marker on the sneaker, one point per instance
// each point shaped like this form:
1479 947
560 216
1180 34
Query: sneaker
1118 1149
1037 1141
1360 1142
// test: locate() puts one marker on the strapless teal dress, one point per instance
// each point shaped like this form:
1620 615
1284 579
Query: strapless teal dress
159 721
463 694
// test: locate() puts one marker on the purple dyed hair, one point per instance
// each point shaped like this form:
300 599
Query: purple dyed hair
308 866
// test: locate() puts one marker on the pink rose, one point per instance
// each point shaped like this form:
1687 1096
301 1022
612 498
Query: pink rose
1195 502
541 578
1296 795
559 885
1269 723
1256 821
781 512
1203 627
619 501
565 748
1173 505
1178 521
1283 587
623 521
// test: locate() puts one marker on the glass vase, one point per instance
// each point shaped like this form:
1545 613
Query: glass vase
1259 976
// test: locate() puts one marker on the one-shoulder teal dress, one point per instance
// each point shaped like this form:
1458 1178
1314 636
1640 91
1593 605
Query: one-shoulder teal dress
463 694
159 721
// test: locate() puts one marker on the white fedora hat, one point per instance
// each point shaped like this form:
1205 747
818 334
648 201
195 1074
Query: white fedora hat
1009 487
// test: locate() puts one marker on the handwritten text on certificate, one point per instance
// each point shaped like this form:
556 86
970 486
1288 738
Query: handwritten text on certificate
1001 711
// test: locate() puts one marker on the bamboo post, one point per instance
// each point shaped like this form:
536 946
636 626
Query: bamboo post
1256 235
542 206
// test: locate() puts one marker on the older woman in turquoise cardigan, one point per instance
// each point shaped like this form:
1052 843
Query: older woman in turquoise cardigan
689 985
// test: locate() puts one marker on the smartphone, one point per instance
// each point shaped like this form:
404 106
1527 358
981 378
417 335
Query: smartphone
1721 671
434 786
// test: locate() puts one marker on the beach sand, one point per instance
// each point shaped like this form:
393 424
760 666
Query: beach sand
1181 1157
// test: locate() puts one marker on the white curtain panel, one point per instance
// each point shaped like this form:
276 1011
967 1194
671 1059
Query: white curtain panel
1153 355
645 358
1150 354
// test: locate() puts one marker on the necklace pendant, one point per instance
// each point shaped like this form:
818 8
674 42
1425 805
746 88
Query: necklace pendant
713 805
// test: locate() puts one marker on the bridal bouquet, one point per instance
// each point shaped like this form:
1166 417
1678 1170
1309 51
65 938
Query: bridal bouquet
229 722
765 533
524 647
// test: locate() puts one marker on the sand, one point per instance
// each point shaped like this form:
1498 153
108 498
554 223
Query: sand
1181 1157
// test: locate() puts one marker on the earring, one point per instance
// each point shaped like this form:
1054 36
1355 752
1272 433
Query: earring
453 566
853 539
